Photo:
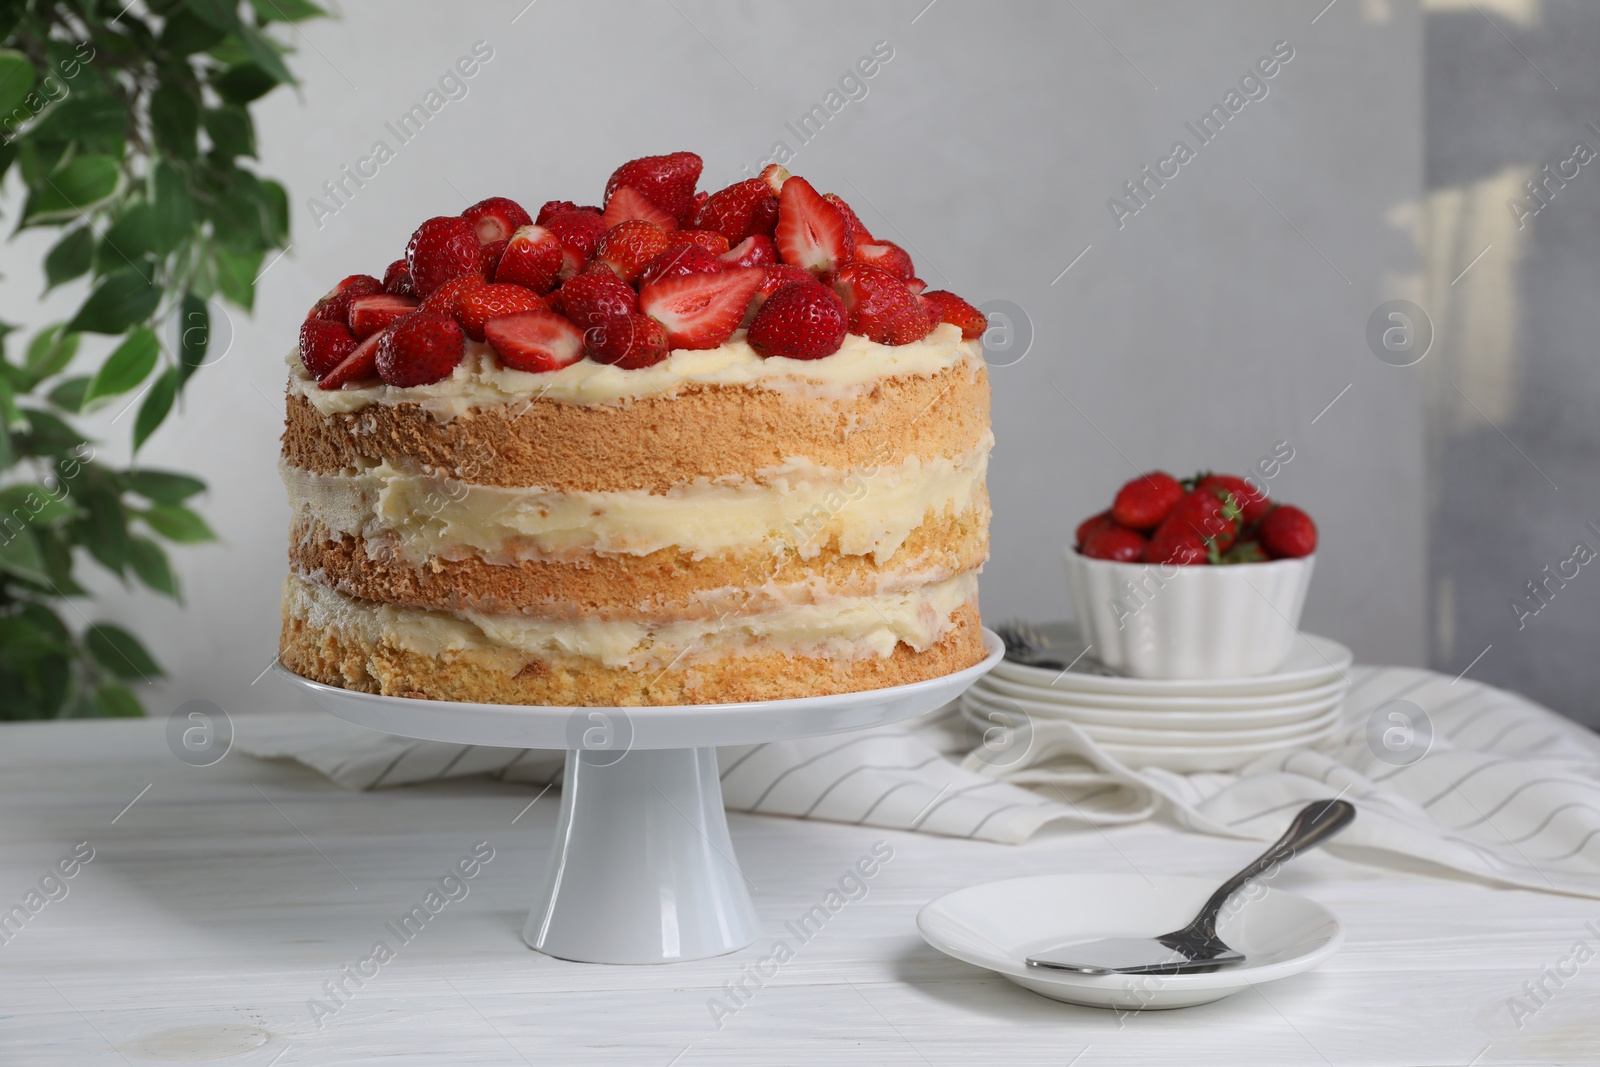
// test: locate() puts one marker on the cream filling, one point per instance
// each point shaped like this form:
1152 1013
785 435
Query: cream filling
865 510
840 627
481 382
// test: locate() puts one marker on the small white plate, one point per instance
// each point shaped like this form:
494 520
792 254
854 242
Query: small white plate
982 711
998 925
1168 704
1288 715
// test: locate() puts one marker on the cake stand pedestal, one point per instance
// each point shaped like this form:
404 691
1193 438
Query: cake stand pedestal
643 870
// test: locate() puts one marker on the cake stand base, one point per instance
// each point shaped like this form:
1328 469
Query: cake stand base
642 870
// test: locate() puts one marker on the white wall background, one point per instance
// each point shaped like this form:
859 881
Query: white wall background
1222 319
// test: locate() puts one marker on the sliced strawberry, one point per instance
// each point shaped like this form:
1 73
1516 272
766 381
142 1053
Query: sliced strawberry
629 203
442 248
628 246
534 341
629 342
754 251
324 345
369 314
496 219
811 233
419 349
666 181
335 304
361 365
916 285
579 233
597 295
880 306
701 310
710 240
802 320
738 211
857 230
531 260
886 255
775 175
442 301
397 279
476 306
684 259
952 309
489 257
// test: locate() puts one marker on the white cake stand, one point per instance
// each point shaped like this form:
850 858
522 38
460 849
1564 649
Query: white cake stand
643 870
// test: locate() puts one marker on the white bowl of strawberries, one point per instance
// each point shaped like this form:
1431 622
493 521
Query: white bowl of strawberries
1200 578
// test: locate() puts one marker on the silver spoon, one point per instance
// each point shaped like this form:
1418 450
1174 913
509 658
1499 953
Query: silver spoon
1197 947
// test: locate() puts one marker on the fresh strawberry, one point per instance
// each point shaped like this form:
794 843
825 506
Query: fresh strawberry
710 240
361 365
335 304
628 203
531 260
555 207
1252 501
666 181
597 295
684 259
774 277
886 255
579 233
917 285
811 232
1145 502
557 301
1114 542
1089 526
851 219
419 349
628 246
880 306
802 320
775 175
701 310
948 307
1288 533
738 211
397 280
489 257
534 341
442 301
442 248
1207 514
754 251
496 219
629 342
1173 544
476 306
323 345
369 314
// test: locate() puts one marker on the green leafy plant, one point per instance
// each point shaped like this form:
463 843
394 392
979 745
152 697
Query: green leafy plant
126 131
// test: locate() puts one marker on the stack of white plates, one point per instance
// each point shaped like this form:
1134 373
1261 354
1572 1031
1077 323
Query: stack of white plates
1214 724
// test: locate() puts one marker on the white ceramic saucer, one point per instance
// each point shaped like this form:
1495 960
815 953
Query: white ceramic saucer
999 924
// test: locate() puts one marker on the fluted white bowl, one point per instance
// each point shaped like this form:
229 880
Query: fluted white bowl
1151 620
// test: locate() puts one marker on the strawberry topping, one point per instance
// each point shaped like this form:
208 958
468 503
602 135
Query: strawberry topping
419 349
496 219
738 211
476 306
811 232
629 203
580 233
335 304
534 341
754 251
597 295
323 345
701 310
886 255
531 259
397 279
369 314
628 341
628 246
684 259
802 320
361 365
880 306
666 181
442 301
442 248
948 307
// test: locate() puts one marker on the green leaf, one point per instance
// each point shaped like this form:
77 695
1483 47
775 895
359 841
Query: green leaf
126 367
174 208
243 83
119 652
177 523
70 258
46 622
221 14
161 487
286 10
230 130
57 553
275 201
263 51
16 78
68 396
21 642
132 235
236 274
184 34
104 531
123 298
151 565
83 116
114 700
157 402
29 504
82 182
47 435
50 352
175 119
19 555
193 337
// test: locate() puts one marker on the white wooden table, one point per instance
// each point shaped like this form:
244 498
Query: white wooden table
222 900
